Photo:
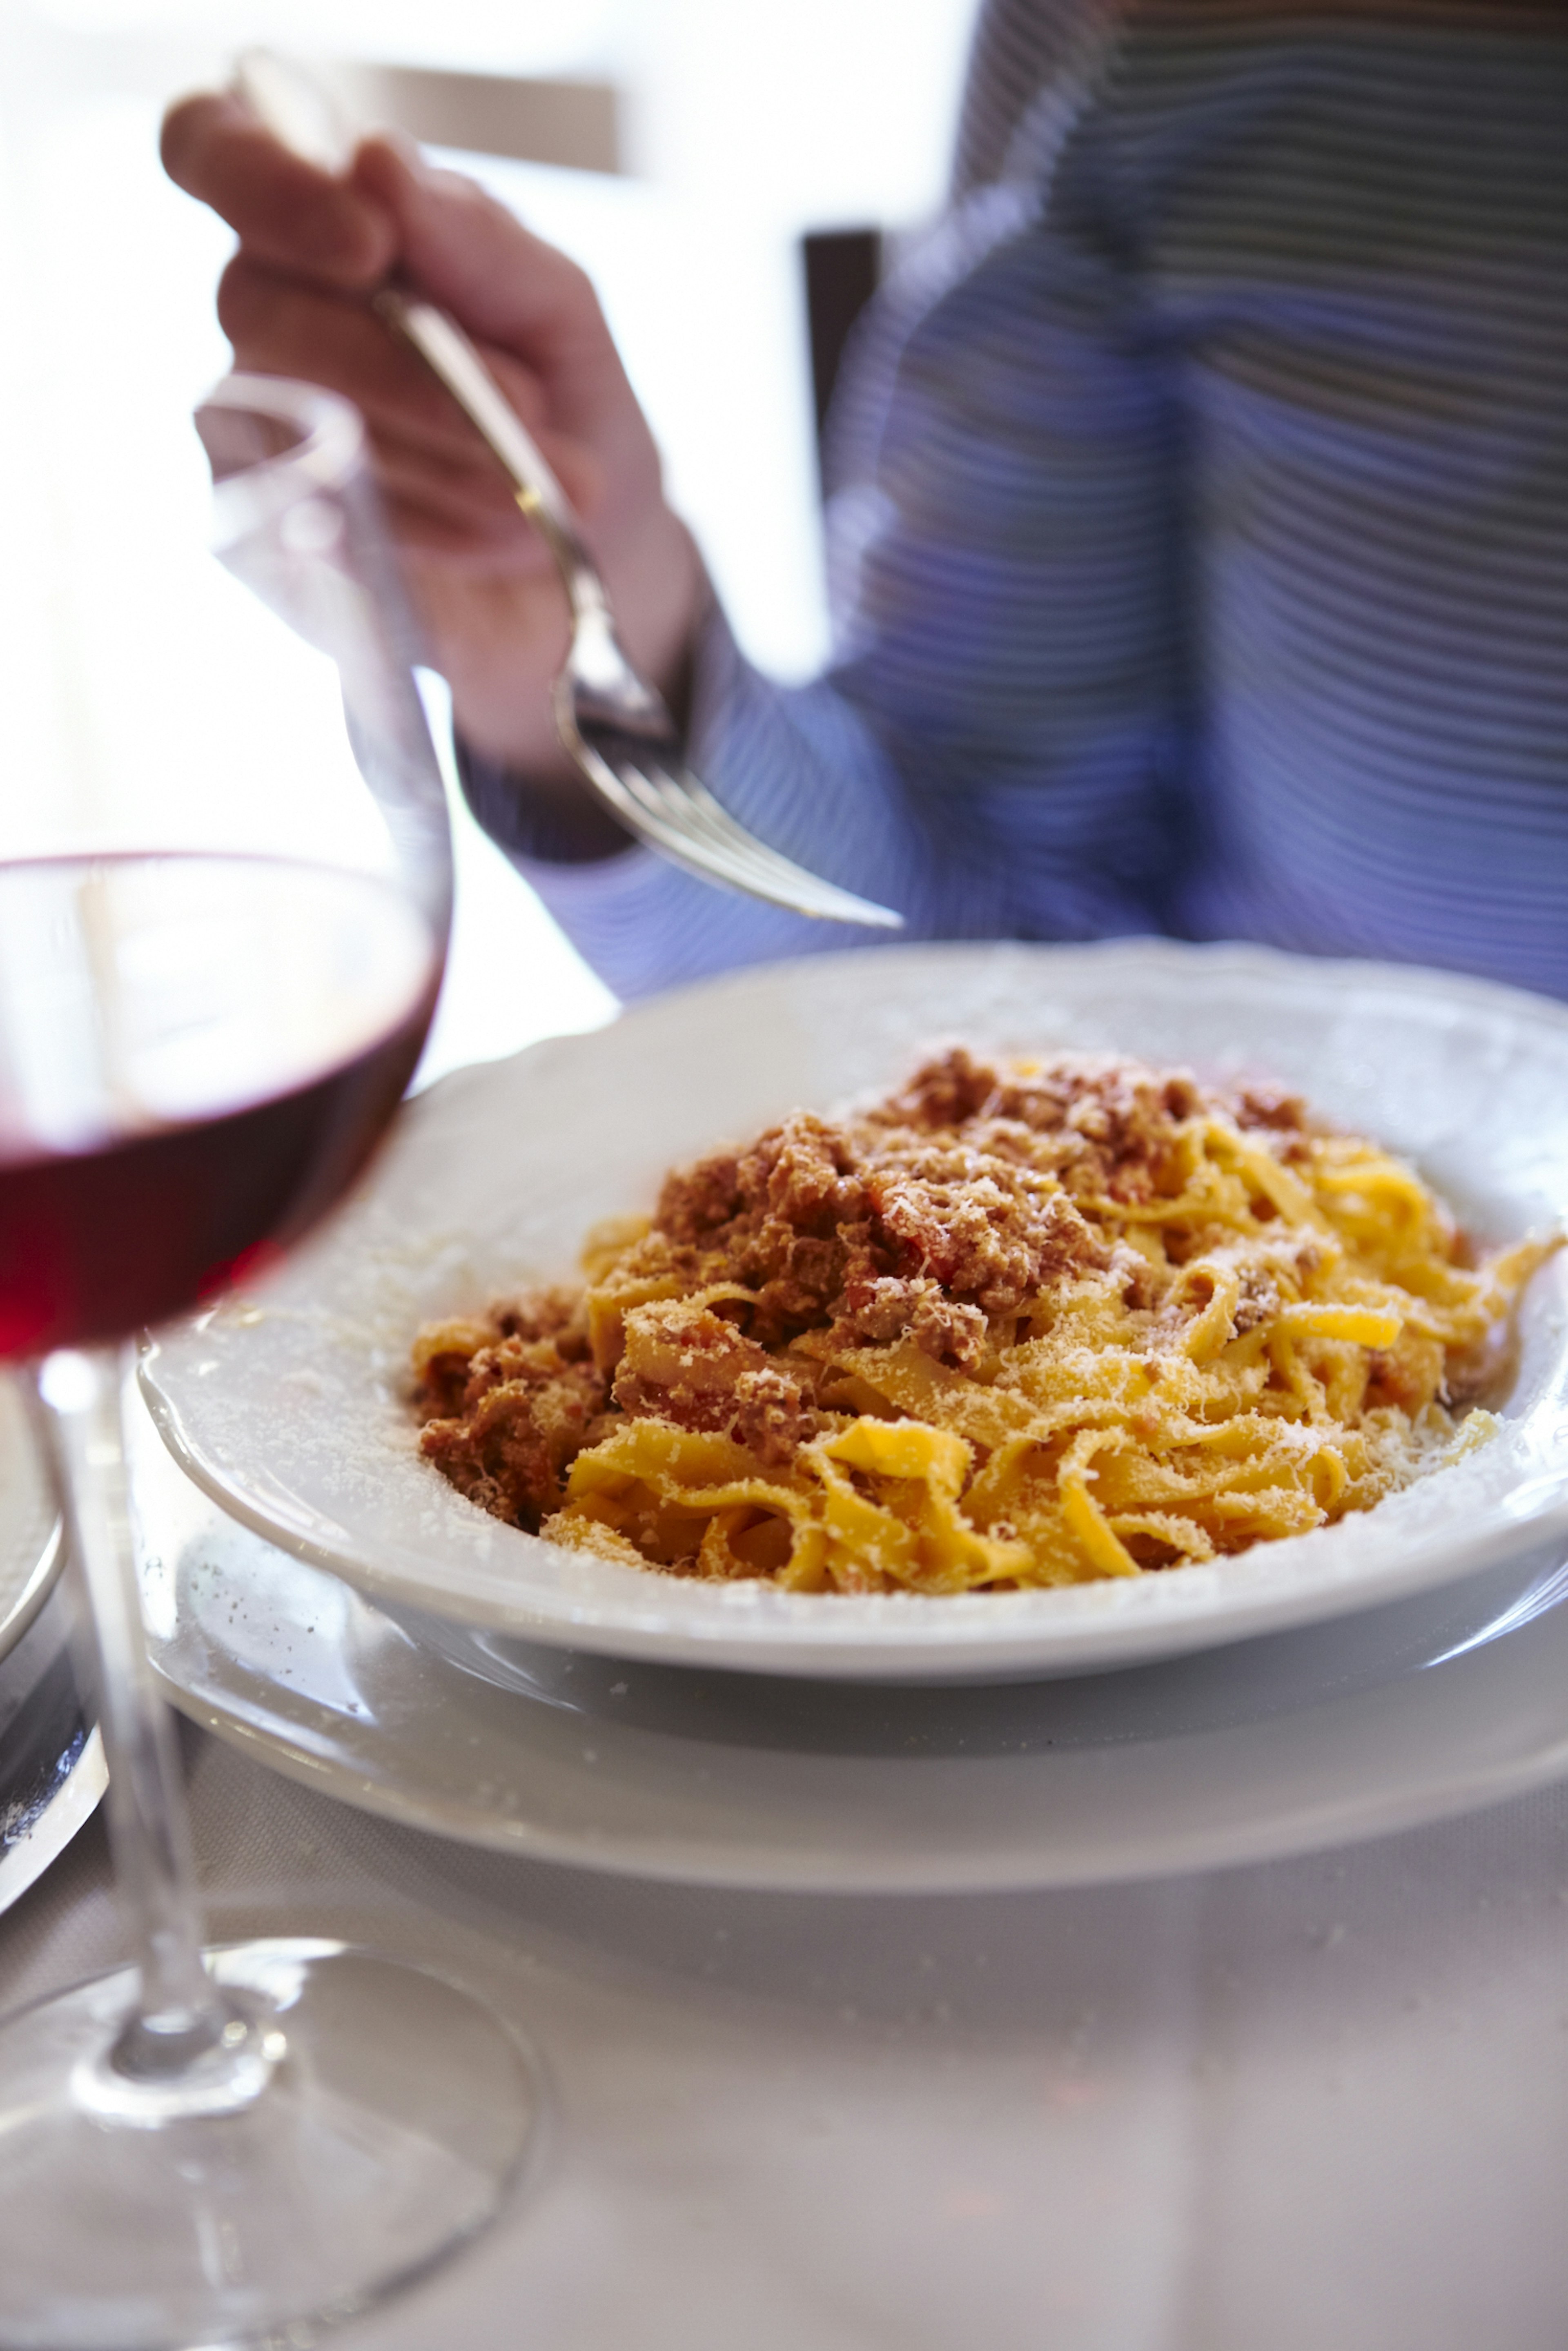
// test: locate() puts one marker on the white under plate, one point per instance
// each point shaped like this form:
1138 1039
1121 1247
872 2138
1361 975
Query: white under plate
30 1547
1344 1730
288 1405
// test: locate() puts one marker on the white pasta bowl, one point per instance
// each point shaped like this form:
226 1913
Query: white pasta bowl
289 1404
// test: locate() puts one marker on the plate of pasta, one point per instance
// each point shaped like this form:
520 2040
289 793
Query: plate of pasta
934 1313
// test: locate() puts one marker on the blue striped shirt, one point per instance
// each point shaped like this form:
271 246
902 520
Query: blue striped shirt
1199 535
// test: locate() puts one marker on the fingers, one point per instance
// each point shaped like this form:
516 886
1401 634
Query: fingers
475 506
439 231
285 327
427 454
507 287
428 530
471 504
286 211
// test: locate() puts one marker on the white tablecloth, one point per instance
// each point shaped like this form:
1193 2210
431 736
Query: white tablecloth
1321 2106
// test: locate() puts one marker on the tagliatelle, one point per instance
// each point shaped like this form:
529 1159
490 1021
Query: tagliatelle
1029 1324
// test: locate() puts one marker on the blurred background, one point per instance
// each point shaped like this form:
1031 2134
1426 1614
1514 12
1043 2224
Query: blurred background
700 158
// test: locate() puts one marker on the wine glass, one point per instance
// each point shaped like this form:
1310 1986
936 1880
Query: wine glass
201 1041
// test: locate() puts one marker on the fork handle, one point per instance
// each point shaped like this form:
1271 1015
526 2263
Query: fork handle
448 352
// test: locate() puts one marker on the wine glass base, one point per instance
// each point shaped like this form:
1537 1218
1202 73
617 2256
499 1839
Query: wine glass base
396 2127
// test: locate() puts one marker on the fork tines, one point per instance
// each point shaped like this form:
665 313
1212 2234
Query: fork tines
677 815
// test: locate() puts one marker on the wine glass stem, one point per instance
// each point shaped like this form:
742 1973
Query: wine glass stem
180 2015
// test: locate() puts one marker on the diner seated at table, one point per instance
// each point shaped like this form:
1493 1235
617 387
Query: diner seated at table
1199 525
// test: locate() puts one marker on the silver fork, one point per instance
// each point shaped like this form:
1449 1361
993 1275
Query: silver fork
613 725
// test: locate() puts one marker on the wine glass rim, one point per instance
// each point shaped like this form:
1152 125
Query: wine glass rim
329 450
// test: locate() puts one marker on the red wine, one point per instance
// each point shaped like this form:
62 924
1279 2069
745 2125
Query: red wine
197 1055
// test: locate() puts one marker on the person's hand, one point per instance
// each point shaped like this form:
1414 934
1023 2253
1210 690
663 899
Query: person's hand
294 301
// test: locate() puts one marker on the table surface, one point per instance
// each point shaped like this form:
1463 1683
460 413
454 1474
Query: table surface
1318 2104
